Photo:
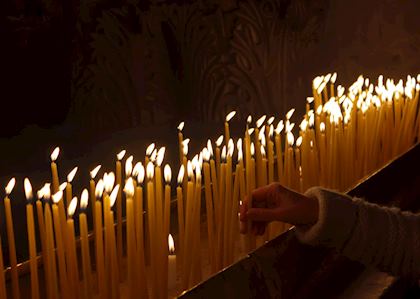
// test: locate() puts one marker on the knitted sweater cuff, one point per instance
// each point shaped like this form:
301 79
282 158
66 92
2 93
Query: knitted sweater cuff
336 219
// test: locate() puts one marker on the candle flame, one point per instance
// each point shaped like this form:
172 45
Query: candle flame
190 170
303 125
185 148
319 110
249 119
230 116
219 141
333 77
153 156
311 143
150 149
270 120
206 154
129 188
327 77
136 169
309 100
40 192
210 148
54 154
181 174
62 186
250 131
262 151
167 173
224 153
57 196
231 147
150 170
141 174
84 199
260 121
261 135
72 207
271 131
322 127
181 126
290 138
252 149
28 189
129 166
160 156
239 144
299 141
95 171
240 155
10 186
113 196
121 155
194 161
109 181
171 245
280 127
71 174
289 114
99 189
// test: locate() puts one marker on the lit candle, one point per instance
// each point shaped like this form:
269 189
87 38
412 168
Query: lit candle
279 154
41 223
150 169
114 269
71 249
118 176
209 206
270 154
99 243
167 214
180 209
227 132
180 140
131 239
219 142
54 171
11 239
60 245
227 204
84 240
31 240
50 254
69 190
142 283
171 264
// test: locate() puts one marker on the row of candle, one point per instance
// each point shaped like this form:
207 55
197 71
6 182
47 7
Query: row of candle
342 137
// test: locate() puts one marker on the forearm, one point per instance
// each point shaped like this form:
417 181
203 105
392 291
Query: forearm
382 237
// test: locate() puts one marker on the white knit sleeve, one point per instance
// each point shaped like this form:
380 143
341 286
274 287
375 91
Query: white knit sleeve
373 235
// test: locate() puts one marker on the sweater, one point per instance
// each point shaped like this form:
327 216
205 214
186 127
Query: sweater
383 237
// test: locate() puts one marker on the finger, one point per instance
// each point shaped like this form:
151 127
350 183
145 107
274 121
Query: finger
261 193
261 214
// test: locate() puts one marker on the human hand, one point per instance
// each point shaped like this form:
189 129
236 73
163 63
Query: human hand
275 202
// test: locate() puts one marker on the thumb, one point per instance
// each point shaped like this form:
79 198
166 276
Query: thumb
261 214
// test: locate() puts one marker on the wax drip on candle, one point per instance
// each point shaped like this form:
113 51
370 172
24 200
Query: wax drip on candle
129 166
95 171
230 116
